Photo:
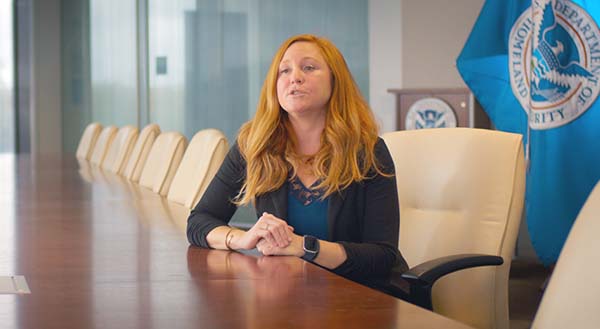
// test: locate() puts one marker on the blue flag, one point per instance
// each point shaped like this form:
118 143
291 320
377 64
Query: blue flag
534 65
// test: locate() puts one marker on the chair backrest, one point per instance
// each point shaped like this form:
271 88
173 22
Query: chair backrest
119 150
572 298
163 160
461 190
139 154
88 141
200 163
105 139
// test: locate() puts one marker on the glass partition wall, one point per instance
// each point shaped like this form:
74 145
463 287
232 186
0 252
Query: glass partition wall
99 66
206 59
7 78
113 35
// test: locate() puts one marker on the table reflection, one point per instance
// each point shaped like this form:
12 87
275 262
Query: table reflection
262 291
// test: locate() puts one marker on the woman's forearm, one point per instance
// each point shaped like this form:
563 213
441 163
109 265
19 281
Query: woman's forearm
331 254
217 237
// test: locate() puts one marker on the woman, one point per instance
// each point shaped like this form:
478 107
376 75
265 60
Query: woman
312 164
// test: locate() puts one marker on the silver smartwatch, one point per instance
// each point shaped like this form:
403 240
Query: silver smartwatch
311 248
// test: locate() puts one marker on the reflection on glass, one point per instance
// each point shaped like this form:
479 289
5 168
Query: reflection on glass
7 108
114 61
75 71
208 58
166 62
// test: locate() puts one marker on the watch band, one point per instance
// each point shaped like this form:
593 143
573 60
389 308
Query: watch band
311 248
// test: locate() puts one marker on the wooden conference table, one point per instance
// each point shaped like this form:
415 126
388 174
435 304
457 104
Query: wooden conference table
98 252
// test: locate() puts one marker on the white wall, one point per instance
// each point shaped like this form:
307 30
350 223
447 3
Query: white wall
433 34
414 44
385 59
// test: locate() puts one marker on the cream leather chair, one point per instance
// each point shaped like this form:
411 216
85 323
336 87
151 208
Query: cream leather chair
107 135
119 150
139 154
163 160
572 298
88 141
461 192
200 163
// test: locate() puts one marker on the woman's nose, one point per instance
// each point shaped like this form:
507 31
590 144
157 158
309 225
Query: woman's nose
297 76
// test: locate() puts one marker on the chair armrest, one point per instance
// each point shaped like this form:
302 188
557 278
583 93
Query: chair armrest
427 273
415 284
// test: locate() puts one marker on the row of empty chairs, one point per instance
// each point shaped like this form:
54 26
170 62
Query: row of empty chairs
160 161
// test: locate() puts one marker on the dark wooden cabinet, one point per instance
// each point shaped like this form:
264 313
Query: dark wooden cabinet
419 108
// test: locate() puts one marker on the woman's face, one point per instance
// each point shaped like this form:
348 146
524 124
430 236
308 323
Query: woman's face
304 80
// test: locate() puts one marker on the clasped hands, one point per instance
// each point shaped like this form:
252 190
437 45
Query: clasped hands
271 236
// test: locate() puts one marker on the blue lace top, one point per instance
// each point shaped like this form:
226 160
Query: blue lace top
307 213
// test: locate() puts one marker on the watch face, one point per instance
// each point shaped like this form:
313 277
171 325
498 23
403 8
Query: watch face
310 244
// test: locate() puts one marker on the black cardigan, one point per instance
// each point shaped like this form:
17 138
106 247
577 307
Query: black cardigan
363 218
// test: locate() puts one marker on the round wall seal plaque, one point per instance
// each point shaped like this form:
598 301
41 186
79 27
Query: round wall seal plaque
430 113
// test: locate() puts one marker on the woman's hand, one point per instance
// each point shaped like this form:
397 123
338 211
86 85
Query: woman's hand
331 254
268 227
293 249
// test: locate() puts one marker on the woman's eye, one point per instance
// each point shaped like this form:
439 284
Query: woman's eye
283 71
309 68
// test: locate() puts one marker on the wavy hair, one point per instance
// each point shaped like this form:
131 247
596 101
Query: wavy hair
267 142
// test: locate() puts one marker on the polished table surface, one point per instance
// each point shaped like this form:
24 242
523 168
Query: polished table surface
99 252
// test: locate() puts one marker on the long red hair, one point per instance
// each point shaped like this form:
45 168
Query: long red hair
267 141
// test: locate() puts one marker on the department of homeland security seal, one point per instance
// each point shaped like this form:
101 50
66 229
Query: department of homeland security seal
430 113
554 61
